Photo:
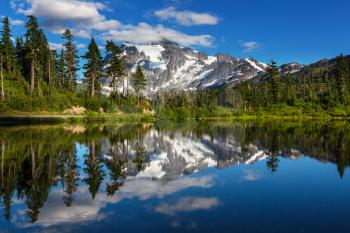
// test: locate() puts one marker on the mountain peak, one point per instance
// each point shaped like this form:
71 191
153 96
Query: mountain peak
169 66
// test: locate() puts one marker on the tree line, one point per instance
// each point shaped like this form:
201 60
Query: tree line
36 75
319 89
323 86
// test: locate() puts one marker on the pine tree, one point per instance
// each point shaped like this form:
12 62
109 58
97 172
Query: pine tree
19 54
71 60
139 82
2 92
53 64
61 69
7 46
93 67
115 69
342 75
273 80
32 41
44 57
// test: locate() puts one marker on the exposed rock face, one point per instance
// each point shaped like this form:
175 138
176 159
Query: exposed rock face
290 68
171 67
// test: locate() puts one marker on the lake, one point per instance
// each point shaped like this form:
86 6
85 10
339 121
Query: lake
191 177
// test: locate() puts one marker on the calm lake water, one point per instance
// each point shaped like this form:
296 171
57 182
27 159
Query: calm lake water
196 177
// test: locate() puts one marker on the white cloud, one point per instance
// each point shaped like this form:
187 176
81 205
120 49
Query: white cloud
81 46
84 208
144 33
55 46
186 18
17 22
84 14
84 17
251 175
16 4
14 22
187 204
58 46
251 46
145 189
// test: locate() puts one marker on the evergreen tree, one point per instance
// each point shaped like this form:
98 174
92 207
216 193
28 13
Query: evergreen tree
52 66
19 54
61 69
32 41
2 91
342 76
44 58
93 67
71 60
274 80
139 82
7 46
115 69
94 171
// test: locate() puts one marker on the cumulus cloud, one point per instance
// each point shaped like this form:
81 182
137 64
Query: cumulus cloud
251 46
187 204
16 4
186 18
84 208
58 46
14 22
145 33
251 175
17 22
84 17
55 46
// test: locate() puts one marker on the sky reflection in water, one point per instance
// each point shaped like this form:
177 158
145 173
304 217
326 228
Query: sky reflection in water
222 177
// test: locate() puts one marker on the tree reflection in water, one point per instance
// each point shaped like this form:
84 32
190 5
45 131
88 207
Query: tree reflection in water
36 159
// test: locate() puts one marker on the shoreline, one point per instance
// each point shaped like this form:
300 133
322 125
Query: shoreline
33 118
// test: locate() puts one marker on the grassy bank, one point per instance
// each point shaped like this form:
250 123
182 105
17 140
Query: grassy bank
54 118
275 112
177 115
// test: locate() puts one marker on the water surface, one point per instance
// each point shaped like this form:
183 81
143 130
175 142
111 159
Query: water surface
202 177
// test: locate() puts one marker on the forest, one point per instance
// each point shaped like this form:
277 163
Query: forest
36 78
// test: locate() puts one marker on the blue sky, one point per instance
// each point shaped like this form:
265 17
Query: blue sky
300 31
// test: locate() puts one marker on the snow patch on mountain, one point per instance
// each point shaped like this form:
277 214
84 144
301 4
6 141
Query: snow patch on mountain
169 67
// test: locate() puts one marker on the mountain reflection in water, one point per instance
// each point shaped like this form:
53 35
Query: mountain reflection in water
56 175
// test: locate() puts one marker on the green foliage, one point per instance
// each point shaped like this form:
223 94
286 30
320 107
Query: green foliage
312 92
93 68
115 63
71 61
37 79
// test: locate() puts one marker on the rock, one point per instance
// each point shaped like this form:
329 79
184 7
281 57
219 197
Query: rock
75 110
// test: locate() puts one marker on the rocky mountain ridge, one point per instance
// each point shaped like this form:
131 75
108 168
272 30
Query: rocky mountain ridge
170 67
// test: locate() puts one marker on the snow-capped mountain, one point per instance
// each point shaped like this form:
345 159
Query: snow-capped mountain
168 157
290 68
169 66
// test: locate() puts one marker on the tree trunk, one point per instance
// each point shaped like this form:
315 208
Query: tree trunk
93 151
70 82
115 85
32 78
92 85
138 99
49 73
2 94
127 86
123 87
33 160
